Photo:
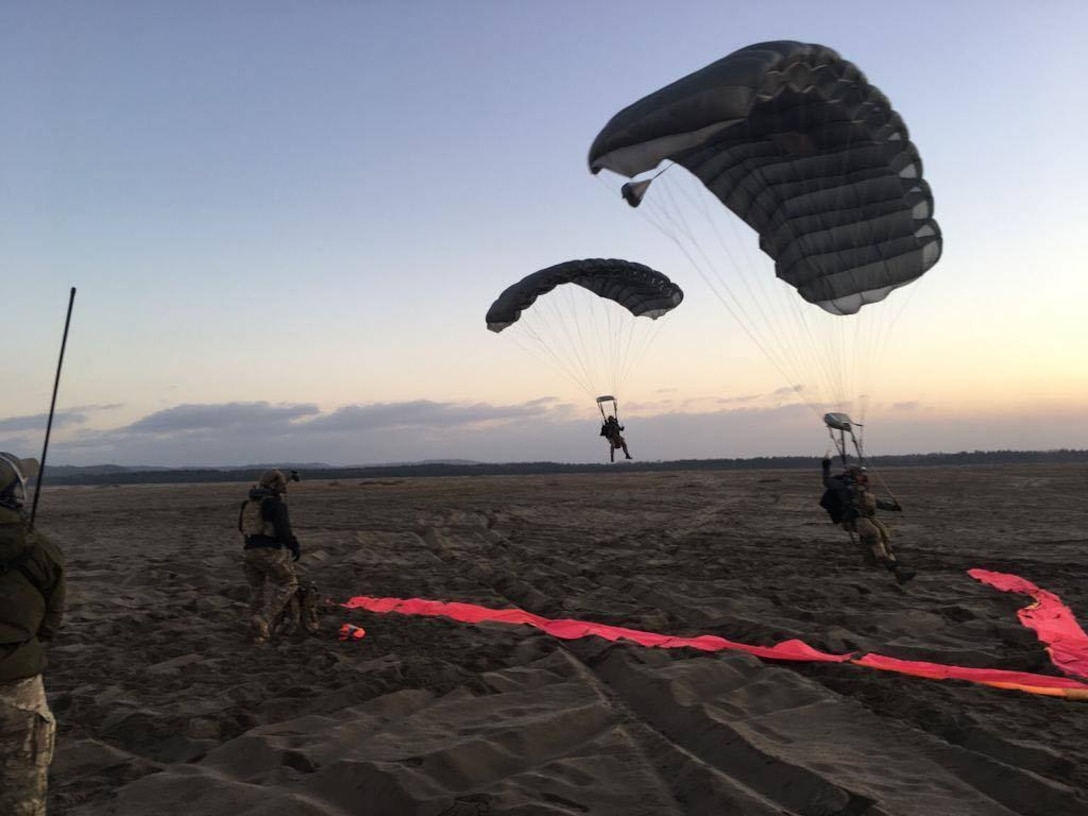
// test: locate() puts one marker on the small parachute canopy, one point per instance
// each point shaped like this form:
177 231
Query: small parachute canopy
643 291
840 422
794 140
846 428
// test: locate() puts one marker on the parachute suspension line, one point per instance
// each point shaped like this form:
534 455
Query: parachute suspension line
844 358
837 354
884 485
632 339
590 318
796 351
558 332
876 321
790 347
828 175
577 336
699 200
841 446
809 348
619 339
615 407
543 350
668 219
593 343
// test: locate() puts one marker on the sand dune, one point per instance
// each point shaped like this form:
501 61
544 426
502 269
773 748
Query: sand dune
166 708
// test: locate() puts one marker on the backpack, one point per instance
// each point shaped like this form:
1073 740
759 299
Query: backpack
252 520
18 564
834 502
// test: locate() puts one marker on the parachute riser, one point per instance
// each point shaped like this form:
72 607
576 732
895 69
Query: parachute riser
615 406
845 427
842 448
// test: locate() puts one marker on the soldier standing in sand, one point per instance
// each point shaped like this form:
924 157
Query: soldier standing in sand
32 588
270 552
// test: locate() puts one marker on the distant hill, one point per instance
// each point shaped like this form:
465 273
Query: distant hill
118 474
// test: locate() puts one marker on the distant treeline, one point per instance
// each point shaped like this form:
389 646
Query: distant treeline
117 475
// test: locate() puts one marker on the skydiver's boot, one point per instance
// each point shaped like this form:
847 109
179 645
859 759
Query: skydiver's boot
261 632
902 574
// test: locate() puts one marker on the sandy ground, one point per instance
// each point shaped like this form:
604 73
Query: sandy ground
165 707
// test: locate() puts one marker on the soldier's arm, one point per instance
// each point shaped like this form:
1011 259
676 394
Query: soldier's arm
282 523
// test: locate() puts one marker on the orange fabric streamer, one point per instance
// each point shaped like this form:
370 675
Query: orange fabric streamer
569 629
1048 617
998 678
1066 642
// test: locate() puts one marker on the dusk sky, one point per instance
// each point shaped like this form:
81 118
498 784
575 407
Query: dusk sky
286 221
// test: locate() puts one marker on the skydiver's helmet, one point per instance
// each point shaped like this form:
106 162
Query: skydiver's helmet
857 474
14 474
274 480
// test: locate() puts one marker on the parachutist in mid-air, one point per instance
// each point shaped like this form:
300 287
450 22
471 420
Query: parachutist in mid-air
610 430
852 504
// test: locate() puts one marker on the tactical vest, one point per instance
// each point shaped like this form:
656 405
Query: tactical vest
253 523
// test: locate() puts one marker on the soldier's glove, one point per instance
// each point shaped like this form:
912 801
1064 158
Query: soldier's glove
296 551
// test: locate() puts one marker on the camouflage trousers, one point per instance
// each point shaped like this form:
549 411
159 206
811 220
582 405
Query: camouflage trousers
874 537
27 731
272 583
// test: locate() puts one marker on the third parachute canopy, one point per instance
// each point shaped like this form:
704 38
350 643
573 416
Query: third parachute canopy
592 319
794 140
642 291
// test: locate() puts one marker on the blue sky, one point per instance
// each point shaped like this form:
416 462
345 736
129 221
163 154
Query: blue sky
286 221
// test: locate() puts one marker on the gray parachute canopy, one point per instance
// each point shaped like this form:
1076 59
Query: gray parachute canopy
794 140
643 291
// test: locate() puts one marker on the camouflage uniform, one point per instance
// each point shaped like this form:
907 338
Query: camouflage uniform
611 431
860 517
27 731
301 611
872 531
270 550
32 590
272 583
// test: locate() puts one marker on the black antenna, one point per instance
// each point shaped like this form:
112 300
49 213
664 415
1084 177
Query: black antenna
52 407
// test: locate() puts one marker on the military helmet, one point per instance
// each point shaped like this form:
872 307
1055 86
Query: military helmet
14 474
274 480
